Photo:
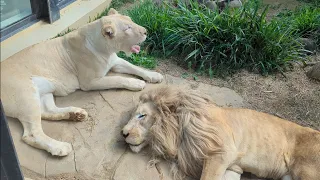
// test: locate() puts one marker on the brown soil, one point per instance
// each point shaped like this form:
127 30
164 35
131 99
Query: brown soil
294 97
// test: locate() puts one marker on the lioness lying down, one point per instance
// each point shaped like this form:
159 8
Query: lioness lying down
216 143
78 60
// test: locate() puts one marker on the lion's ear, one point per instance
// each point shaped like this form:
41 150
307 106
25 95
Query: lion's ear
109 30
112 12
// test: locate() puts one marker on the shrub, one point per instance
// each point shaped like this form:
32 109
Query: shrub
304 20
218 43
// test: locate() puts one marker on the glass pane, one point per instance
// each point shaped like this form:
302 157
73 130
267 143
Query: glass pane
13 11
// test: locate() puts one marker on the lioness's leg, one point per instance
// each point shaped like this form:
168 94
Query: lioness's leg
50 111
112 82
34 136
123 66
30 117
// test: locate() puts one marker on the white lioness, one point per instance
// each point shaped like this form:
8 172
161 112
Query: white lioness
214 143
78 60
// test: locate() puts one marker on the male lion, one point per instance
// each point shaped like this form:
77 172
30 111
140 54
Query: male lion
207 141
78 60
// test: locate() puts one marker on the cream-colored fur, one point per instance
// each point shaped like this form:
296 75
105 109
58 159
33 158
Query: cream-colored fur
78 60
205 141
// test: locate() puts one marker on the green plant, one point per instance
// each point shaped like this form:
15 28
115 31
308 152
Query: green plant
116 4
218 43
304 20
315 3
141 59
64 33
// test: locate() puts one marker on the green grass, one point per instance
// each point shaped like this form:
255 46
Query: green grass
304 20
142 59
116 4
215 43
64 33
315 3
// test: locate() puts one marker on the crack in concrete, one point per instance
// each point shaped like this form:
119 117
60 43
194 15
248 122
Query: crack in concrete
118 163
106 101
45 167
83 138
74 158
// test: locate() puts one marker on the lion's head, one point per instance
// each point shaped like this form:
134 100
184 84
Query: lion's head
176 125
121 33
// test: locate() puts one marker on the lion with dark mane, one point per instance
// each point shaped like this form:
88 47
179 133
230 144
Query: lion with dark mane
207 141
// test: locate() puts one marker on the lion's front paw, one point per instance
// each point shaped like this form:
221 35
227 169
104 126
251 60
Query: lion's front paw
78 115
136 84
60 148
154 77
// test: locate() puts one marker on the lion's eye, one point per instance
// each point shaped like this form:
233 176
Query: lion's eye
140 116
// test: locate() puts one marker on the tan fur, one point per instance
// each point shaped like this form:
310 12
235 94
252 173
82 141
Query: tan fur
206 141
78 60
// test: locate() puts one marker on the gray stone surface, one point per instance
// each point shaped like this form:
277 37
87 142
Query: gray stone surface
98 148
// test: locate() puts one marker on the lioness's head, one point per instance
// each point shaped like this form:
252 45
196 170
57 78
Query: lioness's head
122 33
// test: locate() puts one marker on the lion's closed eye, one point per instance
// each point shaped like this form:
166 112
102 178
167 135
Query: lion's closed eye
141 116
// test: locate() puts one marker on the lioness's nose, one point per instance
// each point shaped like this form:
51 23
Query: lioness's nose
124 134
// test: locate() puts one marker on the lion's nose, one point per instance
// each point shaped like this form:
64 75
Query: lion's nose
124 134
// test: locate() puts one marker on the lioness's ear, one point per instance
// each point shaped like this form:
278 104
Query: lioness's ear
112 11
108 30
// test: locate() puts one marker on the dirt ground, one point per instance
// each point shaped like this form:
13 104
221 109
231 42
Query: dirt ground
294 97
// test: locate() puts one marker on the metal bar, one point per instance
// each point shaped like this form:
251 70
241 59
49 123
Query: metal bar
10 166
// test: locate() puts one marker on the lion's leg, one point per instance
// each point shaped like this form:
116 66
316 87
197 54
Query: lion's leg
231 175
215 168
123 66
286 177
49 111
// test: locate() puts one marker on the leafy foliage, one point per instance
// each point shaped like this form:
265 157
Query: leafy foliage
218 43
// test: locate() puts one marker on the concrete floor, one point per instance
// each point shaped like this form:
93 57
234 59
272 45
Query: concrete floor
99 151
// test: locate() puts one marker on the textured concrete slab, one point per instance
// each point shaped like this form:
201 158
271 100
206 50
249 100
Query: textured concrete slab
99 151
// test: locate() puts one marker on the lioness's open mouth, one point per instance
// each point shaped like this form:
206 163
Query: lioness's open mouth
135 49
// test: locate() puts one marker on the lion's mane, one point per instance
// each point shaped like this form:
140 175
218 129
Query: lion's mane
183 132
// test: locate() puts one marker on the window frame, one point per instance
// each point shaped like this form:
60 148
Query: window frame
48 10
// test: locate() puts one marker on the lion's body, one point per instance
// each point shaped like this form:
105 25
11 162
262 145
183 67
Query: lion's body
269 146
60 66
208 141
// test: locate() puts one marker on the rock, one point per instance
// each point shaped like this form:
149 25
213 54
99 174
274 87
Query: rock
309 45
314 72
134 167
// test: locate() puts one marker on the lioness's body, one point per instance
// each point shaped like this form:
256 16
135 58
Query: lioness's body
78 60
268 146
214 143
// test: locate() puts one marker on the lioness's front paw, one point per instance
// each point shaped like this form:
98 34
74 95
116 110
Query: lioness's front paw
60 148
154 77
136 84
78 115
